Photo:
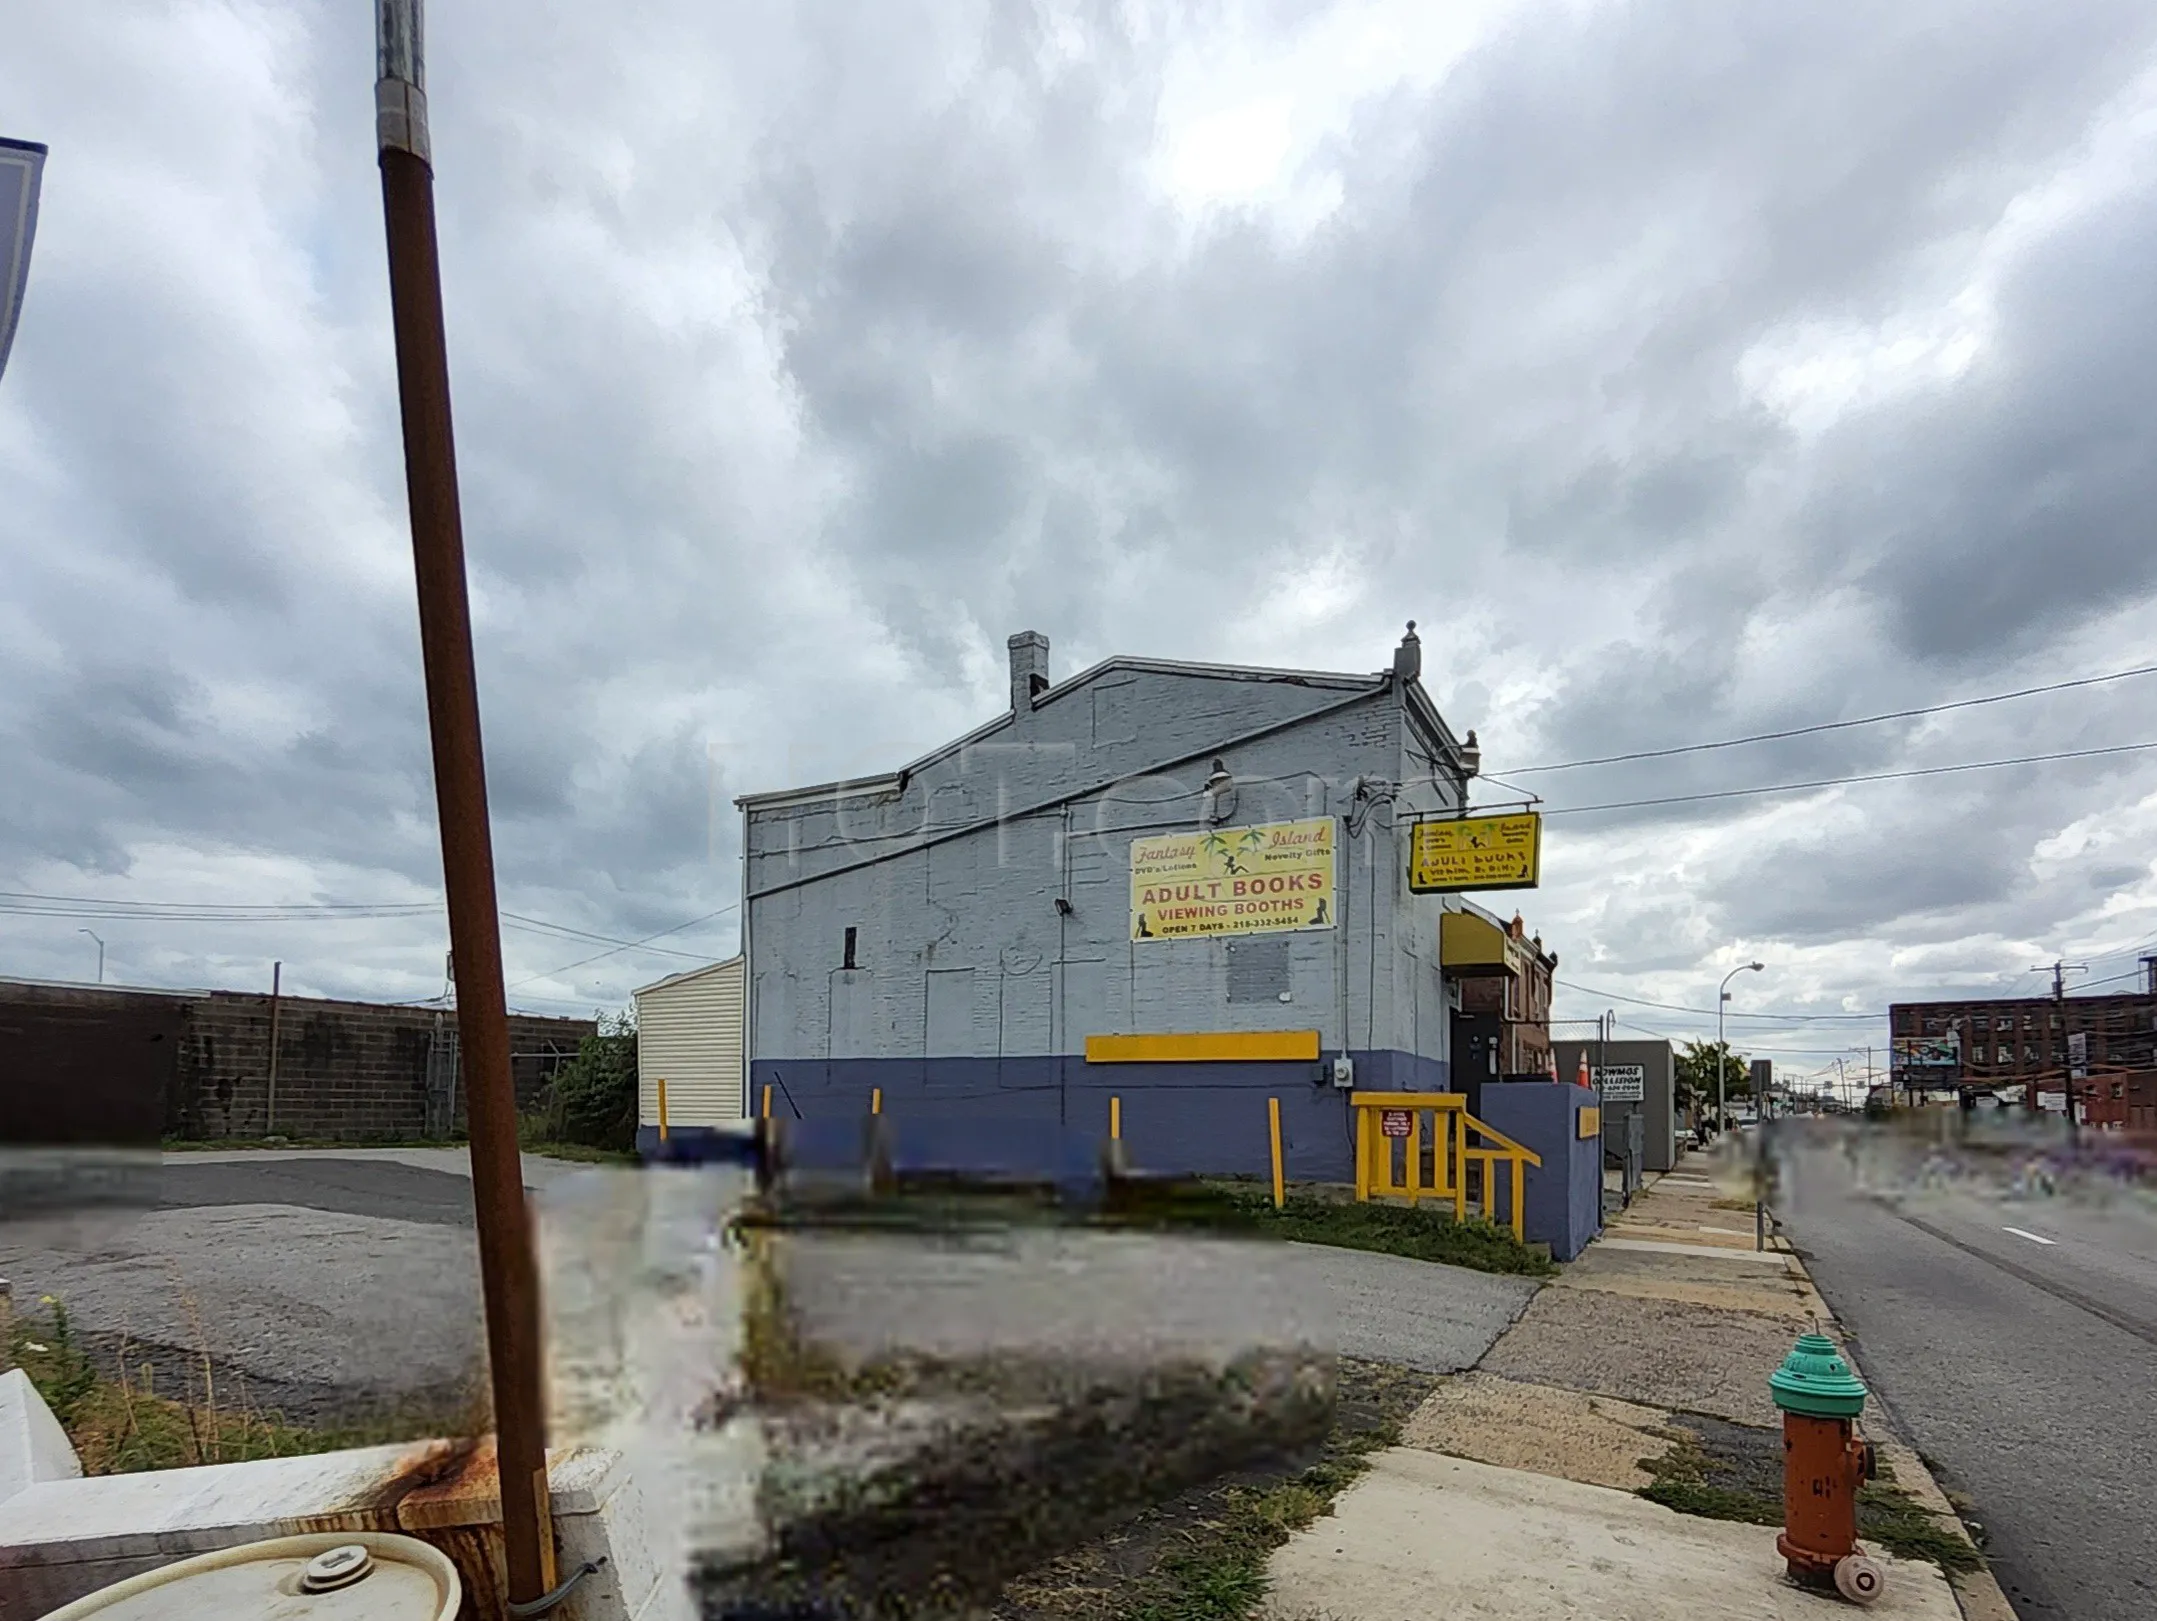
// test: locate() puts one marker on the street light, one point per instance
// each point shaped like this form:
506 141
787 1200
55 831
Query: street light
1722 1047
100 953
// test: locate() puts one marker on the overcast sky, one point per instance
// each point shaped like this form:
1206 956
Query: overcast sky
1685 371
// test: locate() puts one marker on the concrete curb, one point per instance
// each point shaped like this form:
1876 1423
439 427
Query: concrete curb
1977 1592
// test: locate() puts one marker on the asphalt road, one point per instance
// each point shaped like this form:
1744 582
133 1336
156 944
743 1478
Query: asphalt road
343 1286
2014 1341
1117 1296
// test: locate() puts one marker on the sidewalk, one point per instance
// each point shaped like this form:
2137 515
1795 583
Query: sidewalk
1517 1489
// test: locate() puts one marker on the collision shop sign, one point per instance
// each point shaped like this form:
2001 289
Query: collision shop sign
1262 879
1622 1083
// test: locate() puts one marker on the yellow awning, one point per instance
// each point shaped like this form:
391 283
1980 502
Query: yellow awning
1469 946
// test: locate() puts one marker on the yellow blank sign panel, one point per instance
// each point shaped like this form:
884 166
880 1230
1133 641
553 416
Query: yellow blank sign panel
1204 1047
1475 852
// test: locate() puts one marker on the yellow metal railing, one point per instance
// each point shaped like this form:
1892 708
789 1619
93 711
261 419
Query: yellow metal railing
1454 1136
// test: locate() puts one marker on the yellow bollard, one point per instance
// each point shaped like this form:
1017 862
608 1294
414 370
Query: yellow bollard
1273 1124
1457 1134
662 1108
767 1100
876 1100
1115 1120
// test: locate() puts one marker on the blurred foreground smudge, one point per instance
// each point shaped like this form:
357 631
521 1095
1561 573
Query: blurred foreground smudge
894 1406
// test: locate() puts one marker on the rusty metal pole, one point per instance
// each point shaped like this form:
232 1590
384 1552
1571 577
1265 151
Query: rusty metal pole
508 1269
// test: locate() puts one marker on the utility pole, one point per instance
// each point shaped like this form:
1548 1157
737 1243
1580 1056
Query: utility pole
508 1268
2060 971
93 934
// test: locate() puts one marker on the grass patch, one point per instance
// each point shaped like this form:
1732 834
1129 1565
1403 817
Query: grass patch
1202 1556
1427 1233
121 1423
1420 1234
1903 1526
1220 1574
1723 1471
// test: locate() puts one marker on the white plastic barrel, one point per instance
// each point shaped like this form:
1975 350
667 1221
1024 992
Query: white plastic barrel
324 1576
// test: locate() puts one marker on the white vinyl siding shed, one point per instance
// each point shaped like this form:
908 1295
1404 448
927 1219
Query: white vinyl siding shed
689 1033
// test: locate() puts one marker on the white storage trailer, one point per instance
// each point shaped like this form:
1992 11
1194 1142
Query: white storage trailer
689 1035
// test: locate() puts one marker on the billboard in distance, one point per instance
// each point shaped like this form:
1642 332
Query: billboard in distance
1927 1052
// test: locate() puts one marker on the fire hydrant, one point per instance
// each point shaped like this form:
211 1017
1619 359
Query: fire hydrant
1825 1462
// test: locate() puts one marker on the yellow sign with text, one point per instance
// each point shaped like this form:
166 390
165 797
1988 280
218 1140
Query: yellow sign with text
1475 852
1261 879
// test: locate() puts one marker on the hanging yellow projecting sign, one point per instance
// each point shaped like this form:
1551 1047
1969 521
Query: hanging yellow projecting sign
1475 852
1233 880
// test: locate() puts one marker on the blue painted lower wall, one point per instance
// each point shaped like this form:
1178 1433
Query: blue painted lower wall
1564 1204
1207 1119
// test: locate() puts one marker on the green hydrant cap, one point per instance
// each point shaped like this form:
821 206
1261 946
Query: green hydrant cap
1816 1382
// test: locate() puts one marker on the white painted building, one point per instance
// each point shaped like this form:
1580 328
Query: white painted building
689 1034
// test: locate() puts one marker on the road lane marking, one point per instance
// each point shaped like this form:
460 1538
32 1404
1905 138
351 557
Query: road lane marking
2037 1280
2032 1237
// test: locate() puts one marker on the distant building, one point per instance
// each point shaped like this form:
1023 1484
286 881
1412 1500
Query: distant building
689 1035
1181 885
2119 1102
1635 1077
1504 979
2029 1041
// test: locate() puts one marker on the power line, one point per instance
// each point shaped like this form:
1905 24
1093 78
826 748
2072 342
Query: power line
20 903
1709 1013
531 979
1838 782
1838 725
563 931
1749 1046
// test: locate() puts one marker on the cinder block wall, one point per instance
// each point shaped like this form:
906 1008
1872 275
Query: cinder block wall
345 1070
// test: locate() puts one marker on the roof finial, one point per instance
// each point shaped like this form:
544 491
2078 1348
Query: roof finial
1408 657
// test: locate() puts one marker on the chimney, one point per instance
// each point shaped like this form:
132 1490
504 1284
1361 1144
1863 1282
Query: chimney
1408 657
1029 669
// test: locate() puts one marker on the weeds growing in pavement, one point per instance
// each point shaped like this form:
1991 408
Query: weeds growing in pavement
121 1421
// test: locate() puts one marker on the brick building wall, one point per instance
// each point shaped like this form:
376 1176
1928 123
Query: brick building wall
2022 1039
346 1071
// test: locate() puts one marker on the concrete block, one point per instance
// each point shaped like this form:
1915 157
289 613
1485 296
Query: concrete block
33 1447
